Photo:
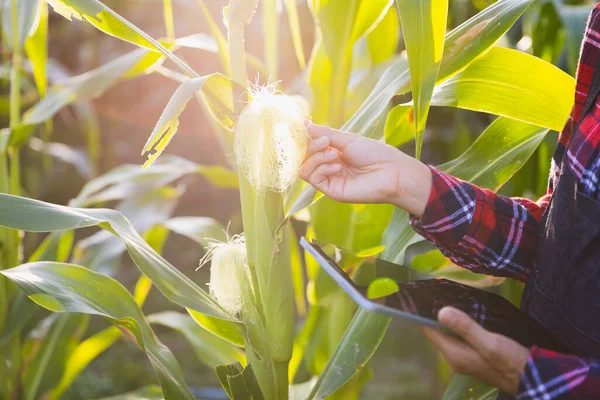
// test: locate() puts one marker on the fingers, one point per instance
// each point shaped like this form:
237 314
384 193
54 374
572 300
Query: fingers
319 144
483 341
337 138
322 158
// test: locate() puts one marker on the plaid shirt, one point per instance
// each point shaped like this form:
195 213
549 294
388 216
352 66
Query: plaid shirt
498 235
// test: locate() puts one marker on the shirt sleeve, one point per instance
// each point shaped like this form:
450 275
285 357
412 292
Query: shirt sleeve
480 230
552 376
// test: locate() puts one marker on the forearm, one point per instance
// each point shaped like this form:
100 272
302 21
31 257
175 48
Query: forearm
479 229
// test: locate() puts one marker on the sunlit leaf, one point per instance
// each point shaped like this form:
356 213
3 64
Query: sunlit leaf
383 40
462 45
217 90
82 87
294 23
36 47
340 23
36 216
151 392
424 27
71 288
466 387
399 126
513 84
361 339
210 349
199 229
28 16
500 151
83 354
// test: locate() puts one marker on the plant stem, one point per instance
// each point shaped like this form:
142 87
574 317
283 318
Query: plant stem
168 15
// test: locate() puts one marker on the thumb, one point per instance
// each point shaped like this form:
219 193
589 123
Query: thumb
464 326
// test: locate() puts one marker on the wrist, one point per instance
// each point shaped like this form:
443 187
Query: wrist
413 186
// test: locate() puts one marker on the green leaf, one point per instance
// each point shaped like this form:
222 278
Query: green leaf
424 26
50 353
151 392
82 87
199 229
574 19
382 41
294 23
399 125
500 151
239 382
512 84
28 15
330 64
462 45
219 327
217 91
70 288
36 47
210 349
82 356
357 346
465 387
130 179
36 216
216 33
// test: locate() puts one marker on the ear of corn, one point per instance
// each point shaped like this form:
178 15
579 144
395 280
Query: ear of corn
270 144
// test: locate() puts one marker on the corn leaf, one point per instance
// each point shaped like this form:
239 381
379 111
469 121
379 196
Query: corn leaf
128 179
574 19
399 126
210 349
198 229
50 352
28 16
463 44
340 24
70 288
217 91
218 36
82 355
424 26
463 387
82 87
270 28
500 151
382 41
151 392
513 84
36 47
294 23
168 16
361 339
37 216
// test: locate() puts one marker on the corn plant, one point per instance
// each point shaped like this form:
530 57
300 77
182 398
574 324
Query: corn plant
254 310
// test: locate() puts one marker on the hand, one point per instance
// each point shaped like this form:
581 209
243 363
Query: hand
355 169
488 357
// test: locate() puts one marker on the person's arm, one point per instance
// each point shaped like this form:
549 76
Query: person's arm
550 375
480 230
474 227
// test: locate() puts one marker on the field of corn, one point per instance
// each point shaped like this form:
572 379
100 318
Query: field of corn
177 273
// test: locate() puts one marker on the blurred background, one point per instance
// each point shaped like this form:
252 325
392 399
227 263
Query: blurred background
111 130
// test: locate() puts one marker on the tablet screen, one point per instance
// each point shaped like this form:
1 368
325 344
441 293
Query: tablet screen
417 297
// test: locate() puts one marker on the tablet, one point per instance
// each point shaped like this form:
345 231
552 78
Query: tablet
416 297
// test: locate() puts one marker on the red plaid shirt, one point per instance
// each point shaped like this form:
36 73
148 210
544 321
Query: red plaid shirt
498 235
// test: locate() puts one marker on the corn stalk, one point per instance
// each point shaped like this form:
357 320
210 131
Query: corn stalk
270 319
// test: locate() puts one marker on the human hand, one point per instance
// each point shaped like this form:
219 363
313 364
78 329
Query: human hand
488 357
354 169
